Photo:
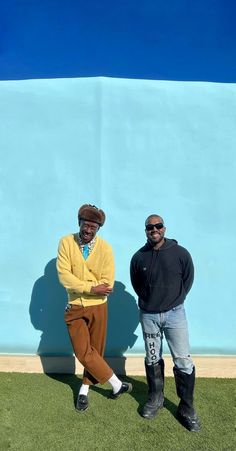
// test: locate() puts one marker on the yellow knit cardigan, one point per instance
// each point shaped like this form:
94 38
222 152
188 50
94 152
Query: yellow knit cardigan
78 275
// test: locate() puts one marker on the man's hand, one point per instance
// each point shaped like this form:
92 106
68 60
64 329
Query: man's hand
103 289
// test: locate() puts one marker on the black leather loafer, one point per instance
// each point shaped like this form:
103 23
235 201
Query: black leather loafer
82 403
125 388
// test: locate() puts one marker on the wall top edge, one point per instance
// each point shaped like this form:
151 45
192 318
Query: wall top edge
114 79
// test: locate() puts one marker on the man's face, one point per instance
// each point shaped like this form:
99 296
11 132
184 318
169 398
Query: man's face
156 234
88 230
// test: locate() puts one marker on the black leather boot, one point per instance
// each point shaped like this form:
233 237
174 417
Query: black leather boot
185 388
155 381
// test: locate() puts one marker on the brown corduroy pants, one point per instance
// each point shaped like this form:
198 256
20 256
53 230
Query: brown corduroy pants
87 327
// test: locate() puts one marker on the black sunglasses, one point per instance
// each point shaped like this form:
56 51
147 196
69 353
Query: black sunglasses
157 226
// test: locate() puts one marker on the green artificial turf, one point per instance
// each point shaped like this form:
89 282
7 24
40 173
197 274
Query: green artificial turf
37 413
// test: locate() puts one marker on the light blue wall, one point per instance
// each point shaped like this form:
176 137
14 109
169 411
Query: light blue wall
132 147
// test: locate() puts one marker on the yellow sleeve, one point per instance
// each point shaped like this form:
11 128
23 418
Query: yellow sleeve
64 267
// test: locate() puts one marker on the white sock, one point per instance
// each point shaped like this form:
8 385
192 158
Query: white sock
115 383
84 390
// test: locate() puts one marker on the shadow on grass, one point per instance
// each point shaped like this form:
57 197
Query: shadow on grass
139 392
72 380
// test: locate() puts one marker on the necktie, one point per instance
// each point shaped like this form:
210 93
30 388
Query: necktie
85 251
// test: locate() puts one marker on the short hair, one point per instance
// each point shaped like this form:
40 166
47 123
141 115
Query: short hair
154 216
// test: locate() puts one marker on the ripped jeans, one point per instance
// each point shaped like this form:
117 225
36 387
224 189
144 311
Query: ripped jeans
173 325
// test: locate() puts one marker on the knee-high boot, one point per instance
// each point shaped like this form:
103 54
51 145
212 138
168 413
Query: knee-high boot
185 388
155 381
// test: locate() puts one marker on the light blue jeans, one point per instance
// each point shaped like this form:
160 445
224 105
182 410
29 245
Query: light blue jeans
173 324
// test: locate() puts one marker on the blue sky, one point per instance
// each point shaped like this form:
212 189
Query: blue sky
152 39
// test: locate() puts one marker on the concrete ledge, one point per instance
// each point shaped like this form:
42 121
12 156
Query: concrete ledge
206 366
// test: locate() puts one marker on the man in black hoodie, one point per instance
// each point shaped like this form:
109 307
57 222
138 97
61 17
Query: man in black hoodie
162 274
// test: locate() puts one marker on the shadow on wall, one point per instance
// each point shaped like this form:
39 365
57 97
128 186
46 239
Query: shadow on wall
123 319
48 301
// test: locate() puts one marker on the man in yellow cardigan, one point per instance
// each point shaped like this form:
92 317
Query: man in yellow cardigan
85 267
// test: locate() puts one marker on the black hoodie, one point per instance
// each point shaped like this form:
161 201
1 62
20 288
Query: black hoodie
161 278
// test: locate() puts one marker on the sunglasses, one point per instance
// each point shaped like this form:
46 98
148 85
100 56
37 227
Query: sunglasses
157 226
